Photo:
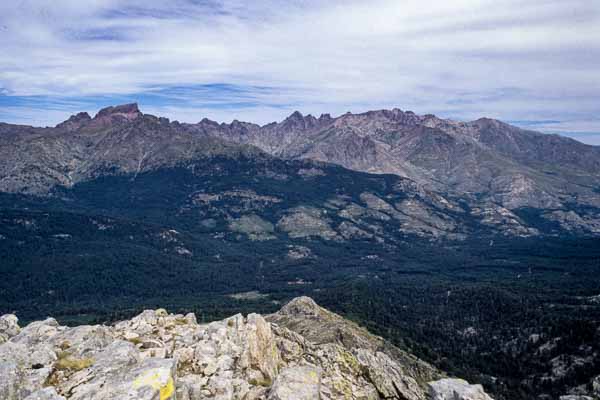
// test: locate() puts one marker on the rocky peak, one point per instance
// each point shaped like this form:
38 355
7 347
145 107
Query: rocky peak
296 115
75 121
406 117
79 117
161 356
301 306
297 121
209 122
236 124
239 127
129 111
494 124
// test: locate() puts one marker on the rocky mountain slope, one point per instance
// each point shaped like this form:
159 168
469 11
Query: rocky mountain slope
117 140
302 352
508 165
487 162
492 172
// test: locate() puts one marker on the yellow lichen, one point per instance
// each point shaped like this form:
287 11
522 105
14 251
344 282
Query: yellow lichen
343 388
167 391
135 340
350 362
265 382
313 377
153 379
72 363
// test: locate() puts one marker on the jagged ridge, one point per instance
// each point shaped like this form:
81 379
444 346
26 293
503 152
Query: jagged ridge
501 171
510 166
302 352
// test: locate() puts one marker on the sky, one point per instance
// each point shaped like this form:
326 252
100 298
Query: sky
533 63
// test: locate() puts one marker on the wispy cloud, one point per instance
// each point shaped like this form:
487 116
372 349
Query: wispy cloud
536 60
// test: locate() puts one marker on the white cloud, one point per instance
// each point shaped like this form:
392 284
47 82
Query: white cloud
514 60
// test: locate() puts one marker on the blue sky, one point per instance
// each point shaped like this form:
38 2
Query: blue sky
534 63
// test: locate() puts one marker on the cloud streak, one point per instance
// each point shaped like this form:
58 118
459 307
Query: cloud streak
518 61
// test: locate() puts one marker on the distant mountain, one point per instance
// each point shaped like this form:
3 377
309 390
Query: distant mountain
118 140
510 180
484 159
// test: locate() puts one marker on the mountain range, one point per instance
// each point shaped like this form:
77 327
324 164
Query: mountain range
485 162
510 180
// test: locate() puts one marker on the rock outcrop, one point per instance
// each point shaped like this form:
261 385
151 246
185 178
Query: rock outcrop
301 352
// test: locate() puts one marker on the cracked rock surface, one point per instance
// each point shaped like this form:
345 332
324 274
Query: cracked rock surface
301 352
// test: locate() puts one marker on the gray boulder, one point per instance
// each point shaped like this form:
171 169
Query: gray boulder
48 393
9 327
297 383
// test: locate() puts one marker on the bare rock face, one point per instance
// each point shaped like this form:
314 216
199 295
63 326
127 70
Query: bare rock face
9 327
301 306
161 356
297 383
47 393
127 111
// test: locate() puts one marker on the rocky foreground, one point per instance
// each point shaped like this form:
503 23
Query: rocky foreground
301 352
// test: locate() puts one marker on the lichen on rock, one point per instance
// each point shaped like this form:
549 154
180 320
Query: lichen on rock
301 352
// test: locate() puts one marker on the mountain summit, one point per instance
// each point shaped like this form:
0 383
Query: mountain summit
129 111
